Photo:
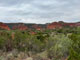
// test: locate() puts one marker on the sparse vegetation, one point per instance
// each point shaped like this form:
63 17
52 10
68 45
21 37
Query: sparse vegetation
59 44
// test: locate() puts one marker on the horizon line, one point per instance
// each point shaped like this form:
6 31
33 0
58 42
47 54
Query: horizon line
40 23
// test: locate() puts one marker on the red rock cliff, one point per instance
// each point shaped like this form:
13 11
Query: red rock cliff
4 26
54 25
20 27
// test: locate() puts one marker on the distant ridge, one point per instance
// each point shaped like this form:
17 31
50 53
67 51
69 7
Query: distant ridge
25 26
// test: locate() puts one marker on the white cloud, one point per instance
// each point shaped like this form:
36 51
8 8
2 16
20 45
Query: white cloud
39 11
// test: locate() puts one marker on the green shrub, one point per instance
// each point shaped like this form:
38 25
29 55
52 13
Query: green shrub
59 46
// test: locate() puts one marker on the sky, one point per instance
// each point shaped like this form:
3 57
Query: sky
39 11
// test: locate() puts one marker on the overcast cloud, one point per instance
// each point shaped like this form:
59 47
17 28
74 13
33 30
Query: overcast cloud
39 11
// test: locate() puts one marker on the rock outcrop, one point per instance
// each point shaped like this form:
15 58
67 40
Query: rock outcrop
4 26
54 25
20 27
36 27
